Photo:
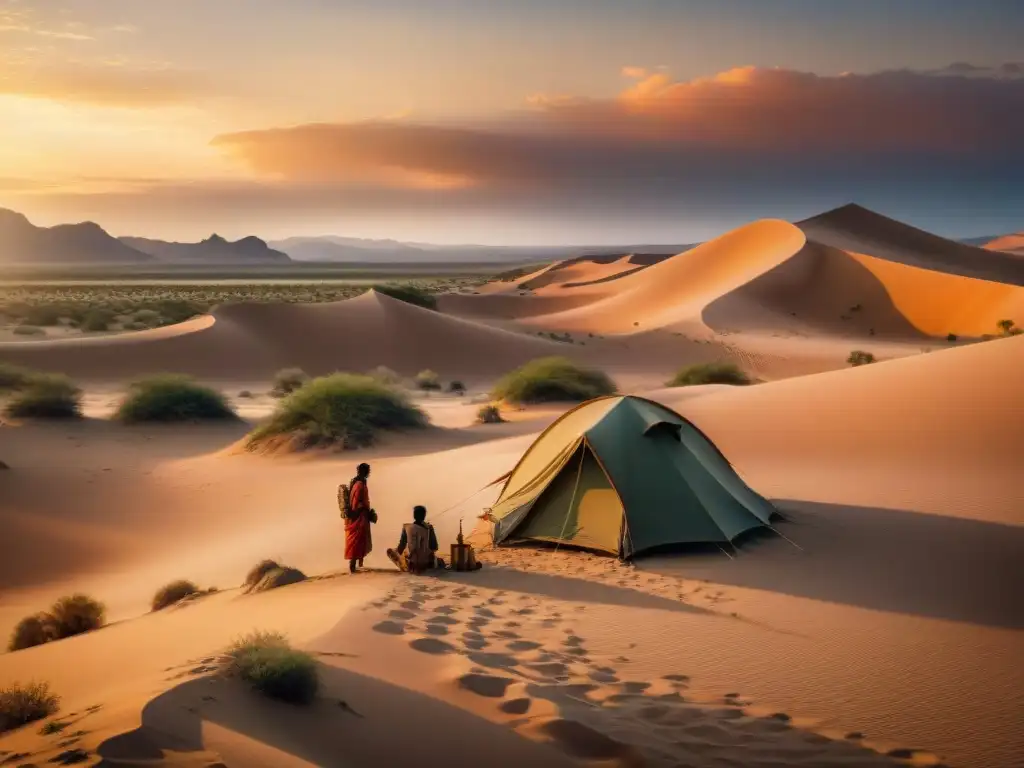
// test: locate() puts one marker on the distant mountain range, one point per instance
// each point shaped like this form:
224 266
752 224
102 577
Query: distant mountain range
331 248
21 242
214 250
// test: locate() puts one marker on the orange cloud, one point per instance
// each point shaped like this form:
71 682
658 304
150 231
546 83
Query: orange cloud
111 84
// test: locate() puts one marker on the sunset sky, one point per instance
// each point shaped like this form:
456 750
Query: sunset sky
562 121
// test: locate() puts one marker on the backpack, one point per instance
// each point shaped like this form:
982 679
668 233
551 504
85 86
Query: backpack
345 500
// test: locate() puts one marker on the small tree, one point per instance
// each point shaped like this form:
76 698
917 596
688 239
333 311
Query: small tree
287 381
489 414
859 357
951 337
457 388
428 381
1009 328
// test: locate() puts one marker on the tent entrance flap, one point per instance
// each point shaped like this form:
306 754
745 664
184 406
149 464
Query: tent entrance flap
580 507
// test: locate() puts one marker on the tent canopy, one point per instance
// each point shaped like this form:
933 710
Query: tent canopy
621 475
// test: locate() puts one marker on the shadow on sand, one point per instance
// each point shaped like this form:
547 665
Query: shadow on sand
358 721
882 559
570 589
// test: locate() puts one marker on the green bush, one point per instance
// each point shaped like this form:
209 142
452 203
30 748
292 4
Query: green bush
134 325
266 662
859 357
28 330
385 375
341 410
46 396
951 337
75 614
97 320
172 593
43 315
23 704
172 397
287 381
552 379
428 381
489 414
32 631
457 388
410 294
14 377
148 318
710 373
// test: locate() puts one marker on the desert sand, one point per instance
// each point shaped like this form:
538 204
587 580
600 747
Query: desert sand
881 627
1010 243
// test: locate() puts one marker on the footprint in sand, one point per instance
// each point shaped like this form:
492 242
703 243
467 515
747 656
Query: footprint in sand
402 615
412 605
436 629
445 610
573 641
522 645
490 686
389 628
505 634
516 706
432 646
551 670
603 677
481 611
494 660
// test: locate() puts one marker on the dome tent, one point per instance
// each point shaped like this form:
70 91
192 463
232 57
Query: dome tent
623 474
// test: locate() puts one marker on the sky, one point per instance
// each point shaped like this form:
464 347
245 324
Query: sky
526 122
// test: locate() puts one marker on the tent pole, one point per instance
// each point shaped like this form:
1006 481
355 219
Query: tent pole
726 553
575 488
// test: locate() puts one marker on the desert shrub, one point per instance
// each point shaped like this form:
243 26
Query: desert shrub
43 315
172 593
257 572
245 394
97 320
178 310
341 410
28 330
552 379
710 373
31 631
148 318
75 614
489 414
385 375
951 337
134 325
457 388
859 357
428 381
171 397
1004 326
410 294
287 381
14 377
23 704
265 661
278 577
46 396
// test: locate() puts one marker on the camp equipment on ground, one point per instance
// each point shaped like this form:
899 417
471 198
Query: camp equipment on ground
463 558
622 475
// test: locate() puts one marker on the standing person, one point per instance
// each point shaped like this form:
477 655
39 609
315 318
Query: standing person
358 540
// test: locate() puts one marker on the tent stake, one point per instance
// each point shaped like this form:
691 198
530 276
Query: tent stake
774 530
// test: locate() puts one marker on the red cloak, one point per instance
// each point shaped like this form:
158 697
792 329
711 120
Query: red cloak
358 540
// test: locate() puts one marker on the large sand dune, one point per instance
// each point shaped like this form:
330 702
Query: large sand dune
1009 243
252 341
856 229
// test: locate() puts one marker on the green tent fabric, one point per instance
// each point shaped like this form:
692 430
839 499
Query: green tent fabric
622 475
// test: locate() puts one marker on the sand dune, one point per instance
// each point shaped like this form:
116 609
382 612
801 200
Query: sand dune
1009 243
250 342
856 229
678 289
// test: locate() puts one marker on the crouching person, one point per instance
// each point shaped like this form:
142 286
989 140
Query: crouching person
417 548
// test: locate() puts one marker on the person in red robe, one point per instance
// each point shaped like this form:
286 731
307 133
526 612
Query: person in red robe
358 540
